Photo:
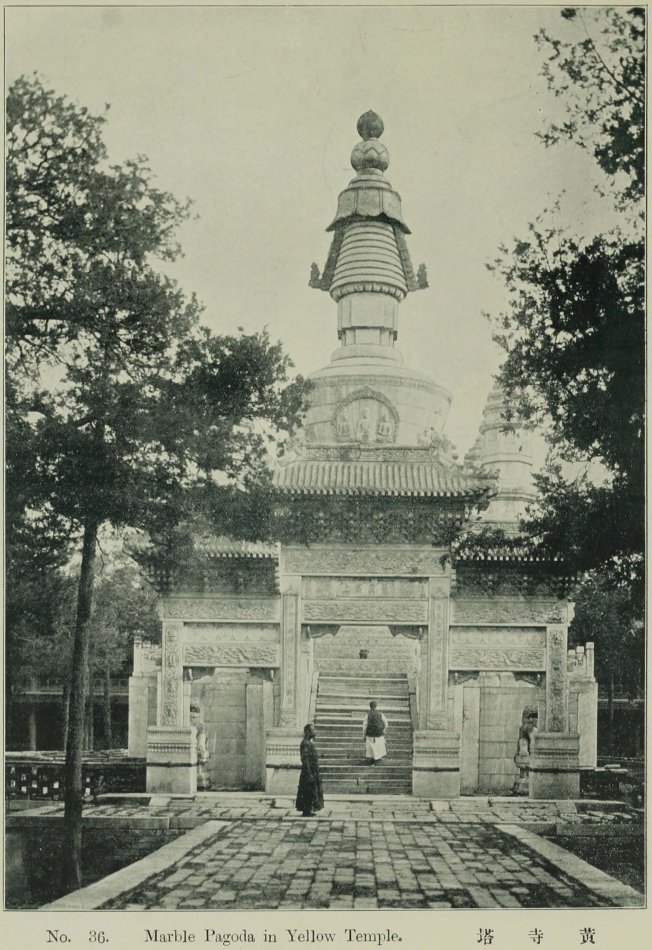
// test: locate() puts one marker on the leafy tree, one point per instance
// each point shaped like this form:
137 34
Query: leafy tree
606 614
123 401
573 331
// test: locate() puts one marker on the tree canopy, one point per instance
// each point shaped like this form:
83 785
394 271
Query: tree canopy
120 403
573 330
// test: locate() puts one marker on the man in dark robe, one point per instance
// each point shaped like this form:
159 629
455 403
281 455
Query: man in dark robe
310 797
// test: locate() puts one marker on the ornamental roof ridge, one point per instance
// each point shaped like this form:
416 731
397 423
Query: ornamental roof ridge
220 546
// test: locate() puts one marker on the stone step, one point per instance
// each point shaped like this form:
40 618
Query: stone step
364 694
359 769
348 724
359 673
336 787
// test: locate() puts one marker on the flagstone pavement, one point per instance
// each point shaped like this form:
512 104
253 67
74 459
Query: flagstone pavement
256 853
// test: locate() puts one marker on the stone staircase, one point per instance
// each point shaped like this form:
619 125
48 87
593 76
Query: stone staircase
342 701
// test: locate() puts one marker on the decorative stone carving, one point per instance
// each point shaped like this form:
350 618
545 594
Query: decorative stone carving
479 659
437 657
318 588
345 560
556 693
316 630
414 633
246 654
172 670
230 633
367 611
515 612
290 634
387 382
197 608
365 416
497 649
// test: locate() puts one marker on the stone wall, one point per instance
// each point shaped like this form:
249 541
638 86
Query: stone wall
222 698
334 652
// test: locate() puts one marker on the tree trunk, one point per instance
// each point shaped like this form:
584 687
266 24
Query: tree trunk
65 713
78 686
610 713
107 708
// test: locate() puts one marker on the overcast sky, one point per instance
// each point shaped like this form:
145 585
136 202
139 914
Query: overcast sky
251 112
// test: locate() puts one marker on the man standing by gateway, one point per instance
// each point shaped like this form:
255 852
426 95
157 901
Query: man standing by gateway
373 732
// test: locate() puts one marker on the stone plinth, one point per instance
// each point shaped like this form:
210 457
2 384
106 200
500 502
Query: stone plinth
436 764
282 761
172 759
554 765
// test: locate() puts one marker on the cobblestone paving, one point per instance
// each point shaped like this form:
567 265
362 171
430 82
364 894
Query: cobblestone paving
341 864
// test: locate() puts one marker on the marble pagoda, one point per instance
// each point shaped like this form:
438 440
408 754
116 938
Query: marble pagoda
367 591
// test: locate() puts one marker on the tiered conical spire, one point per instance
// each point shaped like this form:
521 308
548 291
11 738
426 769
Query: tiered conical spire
368 271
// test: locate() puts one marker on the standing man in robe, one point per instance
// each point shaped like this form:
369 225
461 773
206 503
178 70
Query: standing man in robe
373 733
310 797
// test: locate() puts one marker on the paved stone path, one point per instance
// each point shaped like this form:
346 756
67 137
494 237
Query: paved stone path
358 864
242 851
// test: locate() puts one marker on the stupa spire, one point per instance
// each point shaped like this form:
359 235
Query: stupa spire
368 271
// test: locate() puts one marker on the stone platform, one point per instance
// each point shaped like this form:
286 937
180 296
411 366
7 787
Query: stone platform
243 851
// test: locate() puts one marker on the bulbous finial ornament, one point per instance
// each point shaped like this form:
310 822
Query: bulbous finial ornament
370 125
370 154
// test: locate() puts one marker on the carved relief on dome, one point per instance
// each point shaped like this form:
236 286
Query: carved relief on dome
367 417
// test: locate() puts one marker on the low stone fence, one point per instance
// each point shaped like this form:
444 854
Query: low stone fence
40 776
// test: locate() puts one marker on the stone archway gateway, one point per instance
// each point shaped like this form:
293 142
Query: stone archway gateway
368 505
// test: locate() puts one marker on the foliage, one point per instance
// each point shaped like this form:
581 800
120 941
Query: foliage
119 401
573 331
606 614
600 74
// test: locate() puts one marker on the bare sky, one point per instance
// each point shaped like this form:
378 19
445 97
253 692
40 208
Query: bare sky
251 112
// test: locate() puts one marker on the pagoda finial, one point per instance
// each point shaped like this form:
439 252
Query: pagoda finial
370 154
370 125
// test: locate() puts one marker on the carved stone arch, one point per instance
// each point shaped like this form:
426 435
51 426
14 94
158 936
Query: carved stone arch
384 423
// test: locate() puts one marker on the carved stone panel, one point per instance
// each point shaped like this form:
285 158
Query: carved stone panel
172 676
556 676
200 608
366 417
337 588
361 561
366 611
231 654
493 610
494 648
437 658
290 636
219 633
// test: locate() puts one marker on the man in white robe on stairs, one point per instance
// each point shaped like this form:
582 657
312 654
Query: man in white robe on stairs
374 728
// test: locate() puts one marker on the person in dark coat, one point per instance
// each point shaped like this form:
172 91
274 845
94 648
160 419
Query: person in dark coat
310 797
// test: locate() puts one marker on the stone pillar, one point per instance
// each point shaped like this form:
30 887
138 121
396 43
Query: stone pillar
32 728
256 727
554 766
171 745
437 664
138 716
172 675
436 764
436 756
282 761
172 759
290 639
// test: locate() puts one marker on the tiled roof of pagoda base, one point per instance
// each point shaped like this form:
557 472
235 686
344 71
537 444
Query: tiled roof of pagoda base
357 470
